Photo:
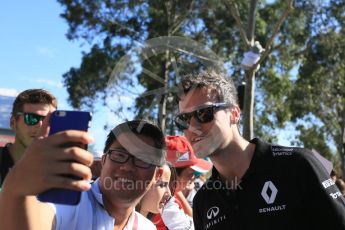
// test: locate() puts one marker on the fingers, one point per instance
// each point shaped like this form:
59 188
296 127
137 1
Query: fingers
69 169
68 175
70 183
58 148
74 154
70 136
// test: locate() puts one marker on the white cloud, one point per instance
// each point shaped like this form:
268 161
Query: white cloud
46 52
8 92
48 82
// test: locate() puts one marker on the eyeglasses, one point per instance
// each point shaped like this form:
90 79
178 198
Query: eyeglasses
204 114
120 156
31 118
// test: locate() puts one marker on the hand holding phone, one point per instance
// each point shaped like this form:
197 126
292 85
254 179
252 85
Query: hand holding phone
61 120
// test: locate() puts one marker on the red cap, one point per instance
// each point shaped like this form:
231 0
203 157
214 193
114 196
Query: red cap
180 154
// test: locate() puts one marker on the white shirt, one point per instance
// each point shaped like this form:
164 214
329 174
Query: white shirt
90 214
174 218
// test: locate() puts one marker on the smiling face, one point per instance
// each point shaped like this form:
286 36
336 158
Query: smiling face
206 138
26 133
125 182
156 197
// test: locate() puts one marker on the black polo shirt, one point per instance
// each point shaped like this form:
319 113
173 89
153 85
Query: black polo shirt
284 188
6 162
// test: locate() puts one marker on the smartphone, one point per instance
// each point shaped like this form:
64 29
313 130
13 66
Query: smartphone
61 120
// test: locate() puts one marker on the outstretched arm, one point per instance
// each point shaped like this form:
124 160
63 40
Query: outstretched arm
185 204
41 168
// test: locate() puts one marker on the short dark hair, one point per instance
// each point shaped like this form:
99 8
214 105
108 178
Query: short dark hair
141 127
218 81
33 96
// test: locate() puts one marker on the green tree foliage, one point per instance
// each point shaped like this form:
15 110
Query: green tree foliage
313 94
120 28
300 82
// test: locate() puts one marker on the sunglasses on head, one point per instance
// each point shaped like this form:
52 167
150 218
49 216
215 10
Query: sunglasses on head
204 114
31 118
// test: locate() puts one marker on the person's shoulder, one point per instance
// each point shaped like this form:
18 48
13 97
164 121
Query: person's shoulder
303 157
4 150
144 223
287 152
284 155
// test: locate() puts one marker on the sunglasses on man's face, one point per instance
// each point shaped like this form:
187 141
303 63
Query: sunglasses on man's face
204 114
31 118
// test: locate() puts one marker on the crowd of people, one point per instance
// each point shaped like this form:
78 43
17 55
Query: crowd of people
209 178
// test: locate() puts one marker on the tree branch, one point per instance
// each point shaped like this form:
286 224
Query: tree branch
251 22
234 12
179 21
274 33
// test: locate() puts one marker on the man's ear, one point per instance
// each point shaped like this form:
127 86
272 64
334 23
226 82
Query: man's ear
13 123
159 173
103 159
235 115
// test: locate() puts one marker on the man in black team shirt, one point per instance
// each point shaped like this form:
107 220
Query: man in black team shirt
254 185
29 109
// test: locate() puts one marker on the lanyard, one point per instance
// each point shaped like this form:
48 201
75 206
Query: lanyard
135 224
93 199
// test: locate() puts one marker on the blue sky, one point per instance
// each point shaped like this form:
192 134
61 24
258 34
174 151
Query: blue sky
34 49
35 53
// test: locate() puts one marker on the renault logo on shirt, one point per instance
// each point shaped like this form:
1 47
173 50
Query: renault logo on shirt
212 212
269 192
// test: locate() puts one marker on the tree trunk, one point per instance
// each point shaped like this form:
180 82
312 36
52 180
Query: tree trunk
342 152
162 111
248 117
249 105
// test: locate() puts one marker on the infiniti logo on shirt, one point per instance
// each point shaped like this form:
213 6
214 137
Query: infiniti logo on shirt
214 217
212 212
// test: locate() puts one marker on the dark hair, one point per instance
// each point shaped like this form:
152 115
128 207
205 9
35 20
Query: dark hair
213 80
180 170
333 173
173 178
341 185
141 127
33 96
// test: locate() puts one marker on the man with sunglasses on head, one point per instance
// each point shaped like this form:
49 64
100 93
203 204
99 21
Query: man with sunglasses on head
131 163
29 109
254 184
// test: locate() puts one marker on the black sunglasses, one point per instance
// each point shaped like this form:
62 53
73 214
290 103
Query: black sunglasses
121 156
31 118
204 114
